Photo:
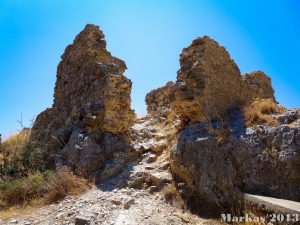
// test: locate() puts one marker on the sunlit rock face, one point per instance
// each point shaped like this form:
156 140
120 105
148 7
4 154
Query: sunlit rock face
91 100
260 160
209 82
90 89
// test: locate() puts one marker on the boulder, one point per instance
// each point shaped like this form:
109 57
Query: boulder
261 160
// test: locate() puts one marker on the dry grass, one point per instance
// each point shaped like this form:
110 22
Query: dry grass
258 113
14 144
221 132
14 211
41 188
62 183
170 193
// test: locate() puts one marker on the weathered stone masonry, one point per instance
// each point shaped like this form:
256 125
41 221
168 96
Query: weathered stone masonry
91 103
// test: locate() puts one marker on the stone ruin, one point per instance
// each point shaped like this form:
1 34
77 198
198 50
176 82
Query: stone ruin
91 111
261 160
209 83
90 122
91 114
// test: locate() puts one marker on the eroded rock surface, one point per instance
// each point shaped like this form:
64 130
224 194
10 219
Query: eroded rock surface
90 89
261 160
91 104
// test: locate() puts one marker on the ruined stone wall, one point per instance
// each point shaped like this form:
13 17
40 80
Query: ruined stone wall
259 86
88 74
209 82
91 104
157 100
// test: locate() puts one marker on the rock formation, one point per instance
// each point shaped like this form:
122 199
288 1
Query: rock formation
91 110
261 160
209 83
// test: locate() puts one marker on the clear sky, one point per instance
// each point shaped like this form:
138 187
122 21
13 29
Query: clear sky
149 36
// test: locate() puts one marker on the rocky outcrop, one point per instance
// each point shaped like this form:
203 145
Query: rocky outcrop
288 116
261 160
209 83
91 109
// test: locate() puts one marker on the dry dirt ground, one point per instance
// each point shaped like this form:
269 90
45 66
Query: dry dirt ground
104 206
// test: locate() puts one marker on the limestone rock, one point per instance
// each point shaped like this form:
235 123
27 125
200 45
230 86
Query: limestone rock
264 160
160 178
83 153
288 116
297 123
209 83
116 201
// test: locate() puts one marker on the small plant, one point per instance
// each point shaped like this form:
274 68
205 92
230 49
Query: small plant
219 129
62 183
170 193
141 115
258 113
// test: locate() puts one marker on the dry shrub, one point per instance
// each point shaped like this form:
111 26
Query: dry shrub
258 113
221 131
14 144
19 155
170 193
46 187
62 183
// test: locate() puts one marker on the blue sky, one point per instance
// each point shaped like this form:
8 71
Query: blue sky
149 36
